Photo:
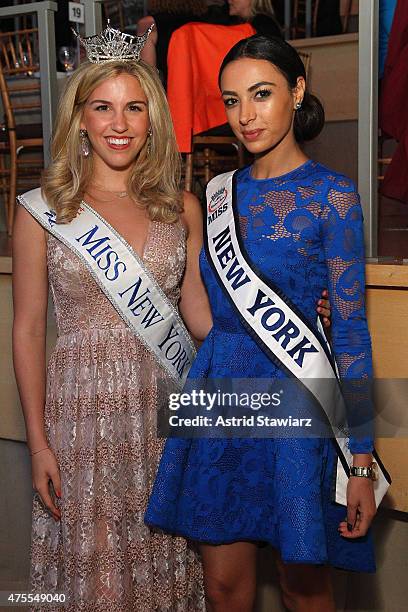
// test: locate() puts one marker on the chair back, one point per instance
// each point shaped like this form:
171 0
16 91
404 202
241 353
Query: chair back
20 88
305 57
298 29
19 52
194 57
9 121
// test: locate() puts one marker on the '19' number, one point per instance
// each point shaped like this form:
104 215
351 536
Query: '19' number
76 12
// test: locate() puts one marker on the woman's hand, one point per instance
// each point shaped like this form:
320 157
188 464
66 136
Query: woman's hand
45 469
361 507
324 309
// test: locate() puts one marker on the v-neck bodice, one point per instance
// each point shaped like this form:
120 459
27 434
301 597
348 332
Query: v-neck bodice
140 254
79 302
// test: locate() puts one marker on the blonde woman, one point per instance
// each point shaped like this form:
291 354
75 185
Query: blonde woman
91 420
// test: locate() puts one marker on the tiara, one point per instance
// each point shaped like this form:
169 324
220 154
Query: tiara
111 45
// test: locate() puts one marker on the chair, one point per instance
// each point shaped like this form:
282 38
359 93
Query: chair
306 58
195 54
299 18
345 14
20 94
210 156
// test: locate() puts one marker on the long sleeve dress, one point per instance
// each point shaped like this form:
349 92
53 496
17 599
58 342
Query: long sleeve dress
304 231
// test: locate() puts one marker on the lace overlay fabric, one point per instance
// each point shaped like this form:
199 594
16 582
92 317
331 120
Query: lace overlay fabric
103 391
303 231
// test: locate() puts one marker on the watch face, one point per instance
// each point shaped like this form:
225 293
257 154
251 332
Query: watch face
374 471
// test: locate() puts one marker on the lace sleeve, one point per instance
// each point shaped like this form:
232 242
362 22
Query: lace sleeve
343 240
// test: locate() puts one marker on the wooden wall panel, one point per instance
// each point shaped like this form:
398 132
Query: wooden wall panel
387 312
337 88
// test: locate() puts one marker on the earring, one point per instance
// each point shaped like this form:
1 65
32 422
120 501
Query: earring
298 105
149 142
85 144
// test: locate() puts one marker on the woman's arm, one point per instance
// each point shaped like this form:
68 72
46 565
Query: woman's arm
194 305
342 231
148 53
30 298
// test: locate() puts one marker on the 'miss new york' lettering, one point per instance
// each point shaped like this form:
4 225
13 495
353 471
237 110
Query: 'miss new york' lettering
138 300
100 250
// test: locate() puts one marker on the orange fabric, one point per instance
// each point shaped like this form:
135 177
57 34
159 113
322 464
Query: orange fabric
194 57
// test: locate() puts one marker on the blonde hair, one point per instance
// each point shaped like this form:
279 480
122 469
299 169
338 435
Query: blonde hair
155 178
178 7
264 7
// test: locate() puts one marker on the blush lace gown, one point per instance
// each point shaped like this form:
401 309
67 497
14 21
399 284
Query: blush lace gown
100 416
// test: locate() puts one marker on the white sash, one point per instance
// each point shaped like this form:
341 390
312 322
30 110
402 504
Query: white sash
125 281
276 325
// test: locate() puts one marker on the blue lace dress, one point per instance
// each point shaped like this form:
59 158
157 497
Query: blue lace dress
304 231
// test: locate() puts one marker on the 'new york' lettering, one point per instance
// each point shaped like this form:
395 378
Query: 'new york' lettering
274 319
226 255
139 303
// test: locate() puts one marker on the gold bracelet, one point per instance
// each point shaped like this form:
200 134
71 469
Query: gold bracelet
39 451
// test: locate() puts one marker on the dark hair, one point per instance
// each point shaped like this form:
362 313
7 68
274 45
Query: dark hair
309 119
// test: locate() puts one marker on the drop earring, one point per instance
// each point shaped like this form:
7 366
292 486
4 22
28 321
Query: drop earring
149 142
85 145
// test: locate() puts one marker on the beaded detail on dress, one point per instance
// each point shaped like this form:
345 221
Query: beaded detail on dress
101 402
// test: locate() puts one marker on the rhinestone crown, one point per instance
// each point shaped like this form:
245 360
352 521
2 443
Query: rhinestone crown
112 44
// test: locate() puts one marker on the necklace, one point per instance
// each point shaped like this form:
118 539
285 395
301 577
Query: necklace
118 194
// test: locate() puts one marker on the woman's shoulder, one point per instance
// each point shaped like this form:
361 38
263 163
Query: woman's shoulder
32 195
192 215
328 178
336 192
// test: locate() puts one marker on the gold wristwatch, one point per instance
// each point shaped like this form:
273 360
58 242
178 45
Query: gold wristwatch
365 472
